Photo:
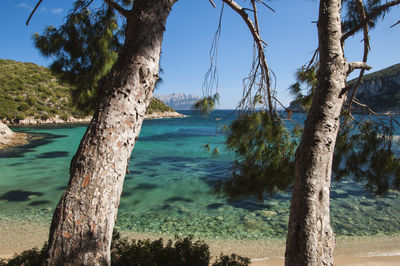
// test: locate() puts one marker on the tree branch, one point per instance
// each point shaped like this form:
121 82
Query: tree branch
33 11
358 65
211 2
362 13
118 8
267 6
374 13
257 39
395 24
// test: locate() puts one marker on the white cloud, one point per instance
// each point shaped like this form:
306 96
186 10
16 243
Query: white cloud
24 5
56 10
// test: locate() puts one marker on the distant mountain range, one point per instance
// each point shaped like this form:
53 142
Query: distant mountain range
179 101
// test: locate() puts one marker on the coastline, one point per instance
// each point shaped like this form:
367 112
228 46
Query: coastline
31 121
10 139
18 236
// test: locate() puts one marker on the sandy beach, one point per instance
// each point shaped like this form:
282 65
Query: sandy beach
17 236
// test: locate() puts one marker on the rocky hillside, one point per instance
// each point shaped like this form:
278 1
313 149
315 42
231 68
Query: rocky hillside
32 93
379 90
179 101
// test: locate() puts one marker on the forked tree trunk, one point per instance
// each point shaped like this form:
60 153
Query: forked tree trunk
310 239
83 221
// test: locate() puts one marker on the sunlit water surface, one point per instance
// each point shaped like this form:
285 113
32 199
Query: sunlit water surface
170 187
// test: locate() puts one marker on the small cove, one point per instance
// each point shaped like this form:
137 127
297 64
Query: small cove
170 186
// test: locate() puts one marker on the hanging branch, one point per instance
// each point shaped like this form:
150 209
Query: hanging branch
313 59
373 14
395 24
362 13
267 6
259 43
208 101
33 11
212 3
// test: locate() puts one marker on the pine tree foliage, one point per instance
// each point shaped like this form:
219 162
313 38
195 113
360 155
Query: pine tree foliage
352 17
265 151
365 151
84 48
206 104
304 87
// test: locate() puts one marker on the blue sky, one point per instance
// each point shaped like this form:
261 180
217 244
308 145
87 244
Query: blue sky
290 34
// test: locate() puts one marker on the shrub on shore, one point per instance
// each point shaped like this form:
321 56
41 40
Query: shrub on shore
184 251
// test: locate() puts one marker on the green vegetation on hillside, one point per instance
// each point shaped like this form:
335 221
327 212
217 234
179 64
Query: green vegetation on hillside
29 90
158 106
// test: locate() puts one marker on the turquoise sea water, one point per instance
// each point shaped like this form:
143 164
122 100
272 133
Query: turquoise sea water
169 189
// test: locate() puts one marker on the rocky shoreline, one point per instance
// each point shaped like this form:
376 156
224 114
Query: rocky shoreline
29 121
9 138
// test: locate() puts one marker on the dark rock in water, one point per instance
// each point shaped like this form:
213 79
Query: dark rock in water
214 206
147 163
175 199
53 154
19 195
62 188
175 159
126 193
146 186
39 202
166 207
16 164
137 172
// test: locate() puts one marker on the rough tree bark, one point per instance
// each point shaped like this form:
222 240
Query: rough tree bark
310 239
83 221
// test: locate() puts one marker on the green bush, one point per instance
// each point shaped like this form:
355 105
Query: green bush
20 117
31 257
145 253
64 117
44 116
19 99
23 107
232 260
31 101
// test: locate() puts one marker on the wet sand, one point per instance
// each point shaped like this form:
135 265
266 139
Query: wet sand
16 236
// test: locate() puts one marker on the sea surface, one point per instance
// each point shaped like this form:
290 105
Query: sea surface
170 186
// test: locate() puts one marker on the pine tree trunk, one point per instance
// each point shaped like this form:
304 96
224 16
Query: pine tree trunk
310 239
83 221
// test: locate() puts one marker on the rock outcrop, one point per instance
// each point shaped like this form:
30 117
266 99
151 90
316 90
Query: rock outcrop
168 114
9 138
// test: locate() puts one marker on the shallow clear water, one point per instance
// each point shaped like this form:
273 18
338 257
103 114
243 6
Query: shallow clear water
169 189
